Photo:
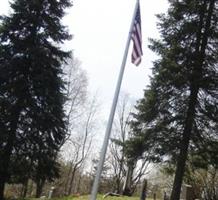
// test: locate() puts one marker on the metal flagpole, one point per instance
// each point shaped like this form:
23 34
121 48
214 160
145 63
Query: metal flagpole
112 112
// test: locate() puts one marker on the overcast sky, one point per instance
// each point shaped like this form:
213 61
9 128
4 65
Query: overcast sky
100 29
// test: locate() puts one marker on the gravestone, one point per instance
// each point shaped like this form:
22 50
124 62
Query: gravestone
186 192
51 192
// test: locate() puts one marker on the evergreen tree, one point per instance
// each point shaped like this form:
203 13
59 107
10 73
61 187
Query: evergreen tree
179 110
32 120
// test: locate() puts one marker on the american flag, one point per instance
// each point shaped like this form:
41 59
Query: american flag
137 39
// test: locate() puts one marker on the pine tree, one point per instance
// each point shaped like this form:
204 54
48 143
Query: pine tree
31 89
179 110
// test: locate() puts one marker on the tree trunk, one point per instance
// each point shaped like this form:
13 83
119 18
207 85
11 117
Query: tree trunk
2 187
5 162
39 186
24 189
6 155
68 179
31 188
118 178
144 190
202 39
71 180
78 184
181 166
154 196
185 144
117 187
128 181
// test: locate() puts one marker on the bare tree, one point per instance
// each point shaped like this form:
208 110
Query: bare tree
76 91
136 169
127 172
80 142
119 136
76 98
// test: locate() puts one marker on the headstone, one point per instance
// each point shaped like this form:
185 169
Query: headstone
185 192
50 192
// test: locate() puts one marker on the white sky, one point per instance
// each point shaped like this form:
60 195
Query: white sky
100 29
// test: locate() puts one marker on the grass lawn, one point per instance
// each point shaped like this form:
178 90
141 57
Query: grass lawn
100 197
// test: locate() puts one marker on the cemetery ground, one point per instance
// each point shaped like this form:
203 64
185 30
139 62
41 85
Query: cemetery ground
86 197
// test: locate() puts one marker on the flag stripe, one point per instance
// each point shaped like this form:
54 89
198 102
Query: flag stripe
137 45
137 39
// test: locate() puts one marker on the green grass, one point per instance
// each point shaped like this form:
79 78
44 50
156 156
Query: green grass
99 197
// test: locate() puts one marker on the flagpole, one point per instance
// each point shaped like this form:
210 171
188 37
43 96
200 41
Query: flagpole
112 112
